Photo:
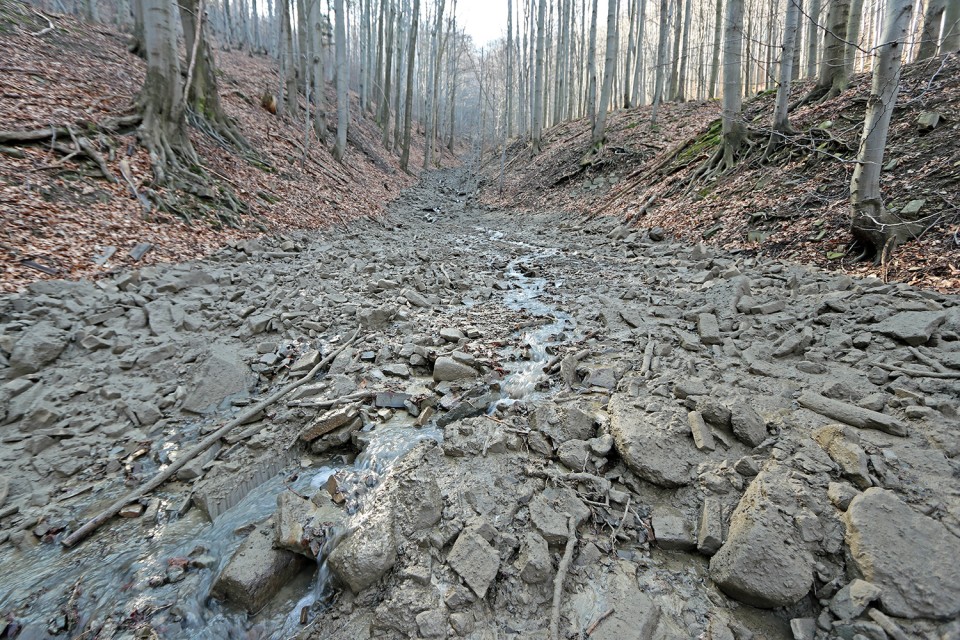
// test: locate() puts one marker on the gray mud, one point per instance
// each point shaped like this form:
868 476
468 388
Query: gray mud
719 445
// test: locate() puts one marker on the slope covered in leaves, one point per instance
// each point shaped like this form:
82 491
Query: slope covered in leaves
793 206
59 213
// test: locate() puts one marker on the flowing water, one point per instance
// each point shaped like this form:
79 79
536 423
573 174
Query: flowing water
118 579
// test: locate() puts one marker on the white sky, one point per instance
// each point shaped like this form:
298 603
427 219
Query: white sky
484 20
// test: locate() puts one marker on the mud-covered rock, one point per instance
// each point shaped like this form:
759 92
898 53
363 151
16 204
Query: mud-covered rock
761 562
37 347
655 452
222 374
913 327
912 558
475 561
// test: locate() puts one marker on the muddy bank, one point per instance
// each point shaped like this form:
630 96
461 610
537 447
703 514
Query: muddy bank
542 422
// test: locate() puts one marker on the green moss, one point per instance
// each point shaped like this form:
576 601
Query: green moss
711 138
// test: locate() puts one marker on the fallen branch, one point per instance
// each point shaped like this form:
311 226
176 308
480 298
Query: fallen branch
599 621
94 523
46 29
327 404
94 155
561 576
927 360
917 373
603 485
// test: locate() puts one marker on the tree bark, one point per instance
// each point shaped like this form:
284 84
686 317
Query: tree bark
387 78
408 101
660 74
674 87
951 28
717 42
319 86
592 67
291 102
509 83
609 71
832 81
433 72
781 116
343 80
538 78
734 131
853 40
871 224
685 54
813 38
930 36
640 68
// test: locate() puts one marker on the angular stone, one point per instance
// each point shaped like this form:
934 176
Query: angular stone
222 374
396 370
684 388
840 443
913 327
710 534
702 436
333 419
475 561
747 424
574 454
804 628
447 369
416 299
534 560
376 318
391 400
761 563
841 494
708 329
672 530
37 347
308 360
451 335
853 599
302 525
366 553
551 510
912 558
665 457
257 571
635 614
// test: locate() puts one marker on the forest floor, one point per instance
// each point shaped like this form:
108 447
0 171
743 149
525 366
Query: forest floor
794 208
59 215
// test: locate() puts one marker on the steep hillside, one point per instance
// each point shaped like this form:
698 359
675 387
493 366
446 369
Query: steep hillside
794 206
59 211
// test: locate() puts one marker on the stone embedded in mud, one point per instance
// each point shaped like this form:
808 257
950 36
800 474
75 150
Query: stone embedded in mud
853 599
747 424
575 454
37 347
377 317
366 553
912 558
534 561
913 327
223 374
301 524
841 444
635 615
475 561
308 360
710 533
708 328
561 426
762 563
702 436
256 571
448 369
551 510
333 419
657 453
672 530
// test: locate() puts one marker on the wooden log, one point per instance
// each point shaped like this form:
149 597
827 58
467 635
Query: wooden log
852 415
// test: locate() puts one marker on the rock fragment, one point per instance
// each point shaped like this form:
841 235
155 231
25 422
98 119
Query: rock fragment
475 561
37 347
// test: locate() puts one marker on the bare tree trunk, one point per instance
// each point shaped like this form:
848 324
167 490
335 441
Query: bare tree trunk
408 101
290 70
685 49
831 81
343 80
164 128
455 66
387 77
853 40
734 131
660 75
640 68
592 67
302 34
930 36
951 28
675 64
871 224
781 116
316 67
90 11
717 42
609 71
397 93
631 48
433 72
538 78
509 80
813 38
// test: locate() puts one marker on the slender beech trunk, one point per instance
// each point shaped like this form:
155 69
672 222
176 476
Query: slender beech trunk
853 39
316 68
640 67
292 106
660 74
871 223
408 100
930 36
781 116
609 71
951 28
682 92
387 77
343 96
717 42
813 38
592 67
734 131
831 81
509 83
538 78
433 73
675 60
631 47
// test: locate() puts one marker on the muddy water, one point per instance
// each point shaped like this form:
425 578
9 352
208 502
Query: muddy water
141 578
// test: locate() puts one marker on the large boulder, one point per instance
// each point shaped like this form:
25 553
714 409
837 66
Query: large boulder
659 454
222 375
257 571
763 562
37 347
913 327
911 557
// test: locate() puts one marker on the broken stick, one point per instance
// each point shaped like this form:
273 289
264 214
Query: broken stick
94 523
572 524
